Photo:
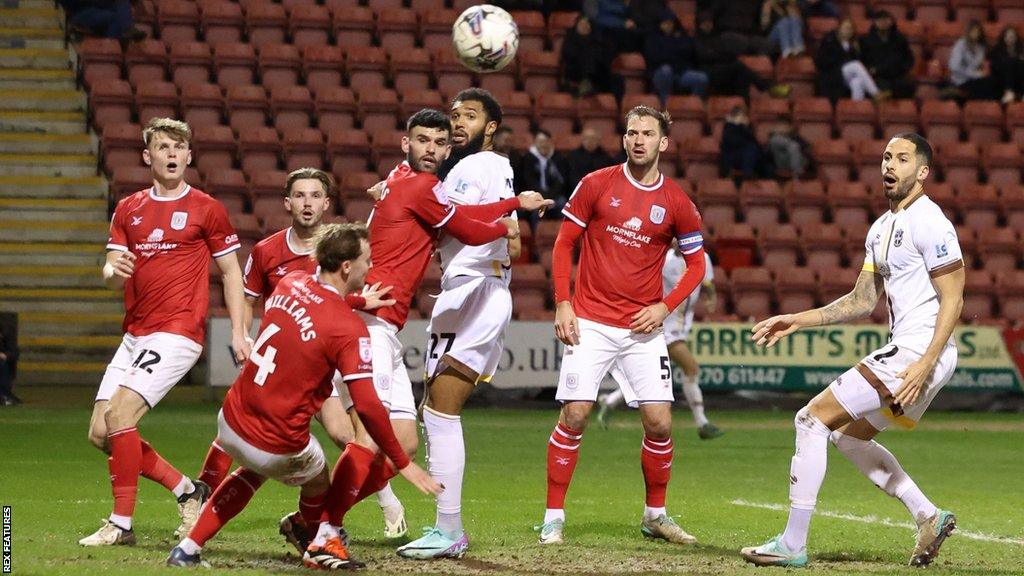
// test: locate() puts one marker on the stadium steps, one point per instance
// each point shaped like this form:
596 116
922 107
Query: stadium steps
32 79
62 370
35 143
44 275
53 187
70 324
42 122
72 300
38 58
36 38
48 164
54 231
49 100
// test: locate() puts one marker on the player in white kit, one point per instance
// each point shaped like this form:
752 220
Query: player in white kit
677 328
913 254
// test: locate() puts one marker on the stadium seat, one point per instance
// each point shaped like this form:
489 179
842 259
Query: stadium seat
279 65
895 116
436 28
290 107
761 203
1015 122
688 114
849 202
700 157
502 81
813 118
779 246
415 100
601 112
246 225
751 292
854 238
999 249
156 100
259 148
805 201
964 10
202 104
275 222
517 110
130 179
822 245
119 145
1002 162
832 158
450 74
110 102
979 296
309 25
354 25
397 28
959 162
353 185
358 210
229 186
214 148
799 72
559 24
99 60
178 20
247 106
868 161
1011 298
410 69
322 66
836 282
795 289
335 108
538 72
234 63
943 194
900 9
347 151
983 121
632 67
555 112
734 245
940 121
366 67
146 61
1008 11
190 63
266 189
978 205
530 287
718 200
265 23
856 120
718 108
378 109
968 241
533 31
302 147
768 115
386 149
1012 201
221 21
564 142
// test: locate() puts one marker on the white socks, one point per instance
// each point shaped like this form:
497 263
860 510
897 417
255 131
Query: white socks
188 546
554 514
652 513
184 486
123 522
695 399
613 398
325 533
386 497
806 473
881 467
446 456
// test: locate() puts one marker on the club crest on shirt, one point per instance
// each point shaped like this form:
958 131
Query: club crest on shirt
941 250
657 214
178 220
898 238
365 351
157 235
572 380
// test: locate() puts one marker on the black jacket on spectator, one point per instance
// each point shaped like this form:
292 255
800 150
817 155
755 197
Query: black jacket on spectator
528 176
677 50
647 14
889 60
742 16
589 58
580 162
829 60
1007 68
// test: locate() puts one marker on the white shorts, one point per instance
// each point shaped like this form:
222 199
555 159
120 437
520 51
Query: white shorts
467 327
292 469
678 324
150 365
866 390
638 363
390 378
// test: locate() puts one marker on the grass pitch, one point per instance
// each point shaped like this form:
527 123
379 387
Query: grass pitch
730 492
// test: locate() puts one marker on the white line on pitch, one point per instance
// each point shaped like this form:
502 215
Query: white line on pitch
883 521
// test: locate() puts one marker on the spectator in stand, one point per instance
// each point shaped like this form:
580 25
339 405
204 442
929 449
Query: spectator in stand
585 159
790 152
782 20
1007 60
8 362
540 171
819 9
840 70
968 65
503 144
671 59
587 62
740 154
726 74
628 21
739 24
107 18
887 55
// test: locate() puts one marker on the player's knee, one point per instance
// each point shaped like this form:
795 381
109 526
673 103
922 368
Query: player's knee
340 435
658 429
98 438
574 417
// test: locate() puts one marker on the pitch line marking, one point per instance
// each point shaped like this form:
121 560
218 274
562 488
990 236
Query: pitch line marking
883 521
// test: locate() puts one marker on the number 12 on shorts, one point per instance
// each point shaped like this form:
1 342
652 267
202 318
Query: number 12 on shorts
143 364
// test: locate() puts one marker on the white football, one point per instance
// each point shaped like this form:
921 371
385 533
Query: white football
485 38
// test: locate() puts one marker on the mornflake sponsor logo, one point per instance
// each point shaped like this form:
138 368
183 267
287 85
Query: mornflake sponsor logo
629 233
633 223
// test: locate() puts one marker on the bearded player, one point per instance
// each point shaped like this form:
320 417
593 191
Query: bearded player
627 216
161 242
912 253
308 332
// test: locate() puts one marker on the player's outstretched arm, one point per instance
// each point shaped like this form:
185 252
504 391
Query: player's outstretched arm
950 288
858 303
119 267
234 297
528 201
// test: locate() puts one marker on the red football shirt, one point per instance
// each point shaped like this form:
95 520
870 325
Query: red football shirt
403 230
271 259
307 332
629 227
173 240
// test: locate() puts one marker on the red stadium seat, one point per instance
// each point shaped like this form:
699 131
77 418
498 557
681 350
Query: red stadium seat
415 100
734 245
191 63
99 60
235 64
959 161
1015 122
178 20
322 66
769 115
779 246
799 72
335 108
559 24
1002 162
502 81
833 159
386 149
265 22
397 28
805 201
856 120
366 67
795 289
259 148
130 179
556 112
1011 298
111 103
517 110
358 210
267 186
279 65
751 292
214 148
156 100
1008 11
868 160
146 61
632 67
378 109
600 112
221 20
850 203
309 25
964 10
979 296
813 118
538 72
700 157
291 107
303 148
533 31
119 144
348 151
761 202
229 186
247 106
823 245
943 194
354 25
968 241
202 104
718 200
688 115
436 28
895 116
940 120
1012 200
1000 249
450 74
978 205
983 121
410 69
354 184
900 9
836 282
718 108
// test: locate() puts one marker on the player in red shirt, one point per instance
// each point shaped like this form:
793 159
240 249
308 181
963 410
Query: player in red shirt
627 216
308 332
161 242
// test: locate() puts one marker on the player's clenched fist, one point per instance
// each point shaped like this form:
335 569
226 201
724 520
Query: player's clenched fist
513 228
123 265
567 327
419 478
767 332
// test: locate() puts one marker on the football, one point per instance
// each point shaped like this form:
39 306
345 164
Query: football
485 38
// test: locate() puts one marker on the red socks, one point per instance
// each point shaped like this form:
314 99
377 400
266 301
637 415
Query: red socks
155 468
563 452
215 467
125 464
225 503
311 508
350 474
656 461
381 472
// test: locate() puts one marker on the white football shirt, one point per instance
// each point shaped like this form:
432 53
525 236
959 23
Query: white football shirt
909 248
481 178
